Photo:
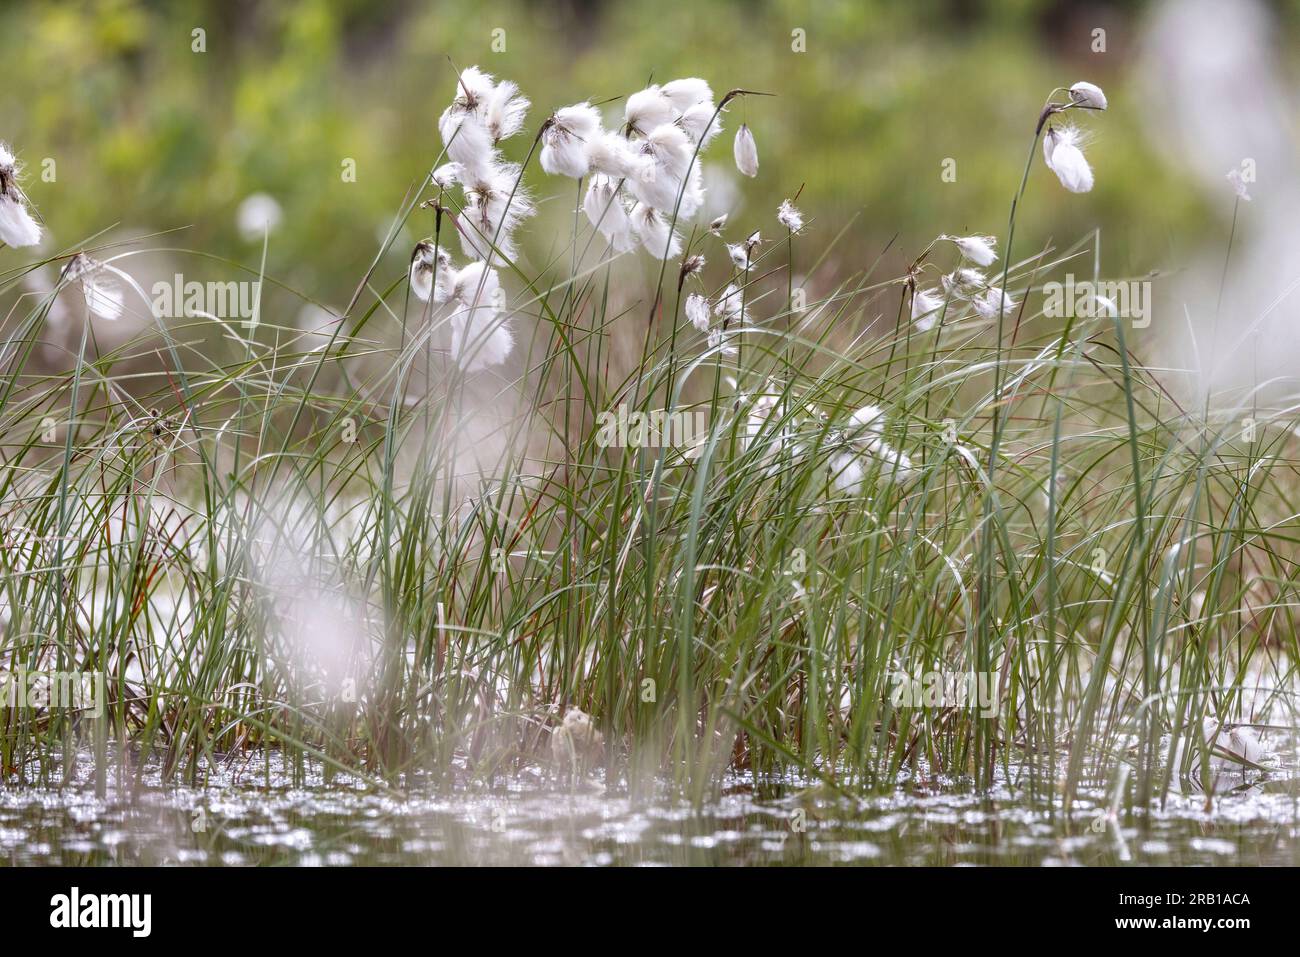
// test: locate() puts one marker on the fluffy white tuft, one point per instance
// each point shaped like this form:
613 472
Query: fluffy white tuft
1088 95
1063 156
1238 184
685 93
992 302
978 249
789 216
657 236
746 151
964 283
731 306
446 176
480 337
701 123
467 140
647 109
258 215
431 272
612 155
495 204
868 422
103 294
473 88
17 227
505 111
606 211
698 312
666 156
926 304
566 140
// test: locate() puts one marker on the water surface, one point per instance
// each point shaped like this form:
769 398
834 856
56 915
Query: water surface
240 819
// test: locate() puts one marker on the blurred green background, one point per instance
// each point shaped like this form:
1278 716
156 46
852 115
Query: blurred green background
149 135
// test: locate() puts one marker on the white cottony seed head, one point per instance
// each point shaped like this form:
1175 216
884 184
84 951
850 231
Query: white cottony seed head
1088 96
926 304
731 306
505 111
746 151
446 176
610 154
103 294
978 249
607 213
430 271
665 154
422 270
991 302
480 337
17 226
720 343
258 215
495 203
657 235
473 87
868 422
1064 158
790 217
963 282
693 265
564 144
1238 184
697 311
685 93
647 109
701 123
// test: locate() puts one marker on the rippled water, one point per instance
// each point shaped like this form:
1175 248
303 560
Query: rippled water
233 822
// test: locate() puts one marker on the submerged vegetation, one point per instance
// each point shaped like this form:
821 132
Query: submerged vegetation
896 527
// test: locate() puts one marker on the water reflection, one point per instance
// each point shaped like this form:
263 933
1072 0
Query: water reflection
232 822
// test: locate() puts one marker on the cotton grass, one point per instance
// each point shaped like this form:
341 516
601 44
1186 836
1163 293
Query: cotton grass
852 500
18 228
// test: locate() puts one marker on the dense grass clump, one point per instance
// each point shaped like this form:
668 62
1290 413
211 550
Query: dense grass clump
336 543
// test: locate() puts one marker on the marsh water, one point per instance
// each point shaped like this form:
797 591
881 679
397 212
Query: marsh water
255 817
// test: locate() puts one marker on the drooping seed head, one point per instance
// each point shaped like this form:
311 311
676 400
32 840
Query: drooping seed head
926 304
745 151
102 293
1088 96
1062 153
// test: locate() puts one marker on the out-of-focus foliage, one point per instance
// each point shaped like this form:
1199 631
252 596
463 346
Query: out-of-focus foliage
149 135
